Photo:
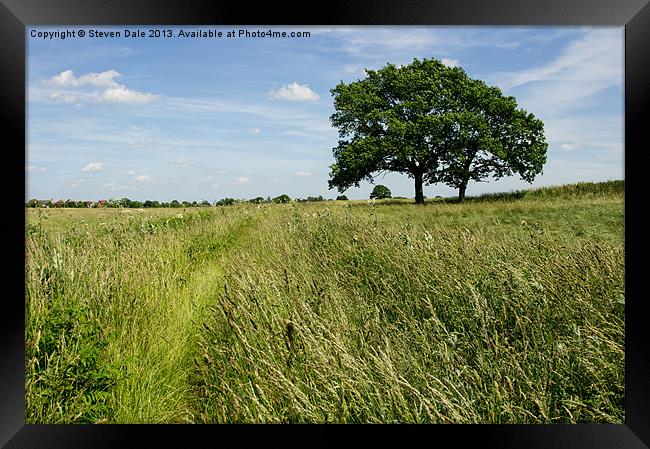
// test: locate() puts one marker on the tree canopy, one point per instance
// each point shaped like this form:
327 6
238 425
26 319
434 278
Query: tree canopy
434 124
380 192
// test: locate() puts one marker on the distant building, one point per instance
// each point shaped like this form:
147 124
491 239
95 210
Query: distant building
101 203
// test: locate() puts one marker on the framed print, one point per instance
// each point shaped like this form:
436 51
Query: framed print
243 221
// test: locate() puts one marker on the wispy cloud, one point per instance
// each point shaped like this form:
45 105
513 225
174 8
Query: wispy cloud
34 169
142 178
140 143
254 130
242 180
66 98
352 68
93 167
587 65
571 146
294 92
303 174
114 187
182 162
391 41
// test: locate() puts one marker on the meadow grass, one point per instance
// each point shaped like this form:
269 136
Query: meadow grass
507 309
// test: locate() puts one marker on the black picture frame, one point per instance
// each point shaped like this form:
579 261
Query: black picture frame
634 15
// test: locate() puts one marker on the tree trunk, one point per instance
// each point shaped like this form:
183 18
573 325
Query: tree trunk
461 192
467 174
419 194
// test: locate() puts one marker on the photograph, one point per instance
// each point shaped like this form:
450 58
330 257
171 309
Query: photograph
332 224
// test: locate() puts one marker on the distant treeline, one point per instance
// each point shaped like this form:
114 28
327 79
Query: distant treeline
126 202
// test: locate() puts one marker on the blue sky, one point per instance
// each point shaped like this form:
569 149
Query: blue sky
209 118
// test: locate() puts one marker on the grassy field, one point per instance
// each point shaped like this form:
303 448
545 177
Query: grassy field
505 309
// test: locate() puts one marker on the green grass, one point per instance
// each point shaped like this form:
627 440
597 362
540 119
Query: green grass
504 309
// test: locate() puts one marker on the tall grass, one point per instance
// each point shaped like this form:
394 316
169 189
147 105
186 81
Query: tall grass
344 318
485 312
109 309
580 190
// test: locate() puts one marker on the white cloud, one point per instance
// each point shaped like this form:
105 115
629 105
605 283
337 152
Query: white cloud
113 92
243 180
63 79
123 95
295 92
103 79
34 169
216 186
255 130
67 79
130 172
450 62
571 146
143 178
303 174
93 167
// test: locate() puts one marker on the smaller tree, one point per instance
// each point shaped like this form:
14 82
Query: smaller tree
379 192
341 198
282 199
226 202
492 138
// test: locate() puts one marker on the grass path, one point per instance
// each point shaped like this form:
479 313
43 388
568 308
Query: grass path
161 365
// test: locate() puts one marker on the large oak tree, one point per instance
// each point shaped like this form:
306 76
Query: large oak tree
432 123
491 138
